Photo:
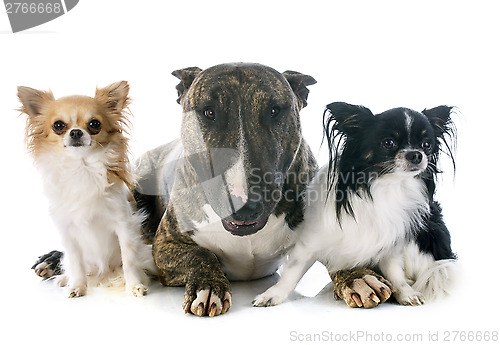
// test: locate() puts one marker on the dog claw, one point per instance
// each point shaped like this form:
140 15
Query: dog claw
385 293
374 298
226 306
201 309
212 310
357 300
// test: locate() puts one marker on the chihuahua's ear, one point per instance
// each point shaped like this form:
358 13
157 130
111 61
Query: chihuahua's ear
114 96
33 100
440 118
299 82
186 75
346 118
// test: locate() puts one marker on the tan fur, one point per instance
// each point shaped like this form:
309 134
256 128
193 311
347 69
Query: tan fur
109 106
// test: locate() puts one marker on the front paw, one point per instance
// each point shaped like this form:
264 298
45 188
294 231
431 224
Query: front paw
272 296
361 287
77 291
409 297
48 265
209 298
137 290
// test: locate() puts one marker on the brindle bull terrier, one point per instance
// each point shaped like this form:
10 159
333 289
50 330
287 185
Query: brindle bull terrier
223 201
230 188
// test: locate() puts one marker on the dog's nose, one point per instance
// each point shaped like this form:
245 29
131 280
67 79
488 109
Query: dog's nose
252 210
76 133
414 157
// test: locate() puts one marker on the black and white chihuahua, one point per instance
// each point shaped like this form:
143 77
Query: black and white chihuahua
373 204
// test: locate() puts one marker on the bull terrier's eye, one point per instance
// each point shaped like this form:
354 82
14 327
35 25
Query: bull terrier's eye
209 113
275 110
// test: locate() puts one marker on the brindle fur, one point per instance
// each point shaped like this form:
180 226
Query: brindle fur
245 87
182 262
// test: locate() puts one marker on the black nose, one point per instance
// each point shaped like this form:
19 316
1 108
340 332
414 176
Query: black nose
251 211
76 133
414 157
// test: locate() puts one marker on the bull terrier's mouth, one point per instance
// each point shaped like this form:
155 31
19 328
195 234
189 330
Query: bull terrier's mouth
243 228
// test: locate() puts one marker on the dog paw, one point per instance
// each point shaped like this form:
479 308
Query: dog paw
137 290
272 296
361 287
409 298
77 291
48 265
208 301
61 280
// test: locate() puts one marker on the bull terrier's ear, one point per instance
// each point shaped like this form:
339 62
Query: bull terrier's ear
346 118
298 82
33 100
186 75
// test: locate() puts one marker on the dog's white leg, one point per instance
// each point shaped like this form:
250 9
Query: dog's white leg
133 270
76 268
392 268
298 262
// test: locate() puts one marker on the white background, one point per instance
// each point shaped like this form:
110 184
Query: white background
381 54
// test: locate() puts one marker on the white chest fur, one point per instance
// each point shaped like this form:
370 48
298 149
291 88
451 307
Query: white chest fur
73 182
86 209
382 223
247 257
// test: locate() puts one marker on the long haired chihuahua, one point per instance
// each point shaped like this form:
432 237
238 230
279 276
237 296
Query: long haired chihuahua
373 206
79 145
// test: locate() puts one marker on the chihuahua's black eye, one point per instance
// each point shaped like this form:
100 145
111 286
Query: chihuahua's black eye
59 127
275 111
389 143
427 146
94 126
209 113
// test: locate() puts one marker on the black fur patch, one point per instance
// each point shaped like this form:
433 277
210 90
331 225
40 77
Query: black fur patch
53 262
435 238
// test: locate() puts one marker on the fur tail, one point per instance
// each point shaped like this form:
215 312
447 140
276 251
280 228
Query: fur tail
435 279
438 280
